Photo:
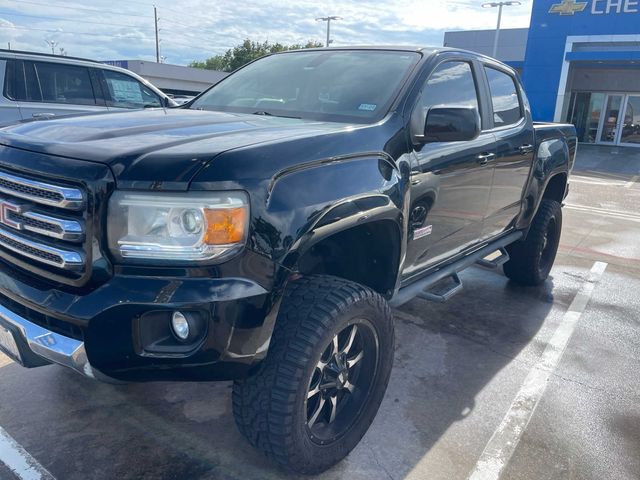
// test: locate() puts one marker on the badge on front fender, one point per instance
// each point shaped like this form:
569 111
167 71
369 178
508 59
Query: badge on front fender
422 232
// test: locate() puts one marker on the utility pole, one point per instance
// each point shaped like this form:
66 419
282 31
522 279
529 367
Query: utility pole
497 35
155 17
328 20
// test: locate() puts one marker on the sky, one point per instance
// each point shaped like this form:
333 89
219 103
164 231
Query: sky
197 29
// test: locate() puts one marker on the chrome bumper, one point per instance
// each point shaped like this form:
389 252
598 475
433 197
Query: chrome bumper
51 346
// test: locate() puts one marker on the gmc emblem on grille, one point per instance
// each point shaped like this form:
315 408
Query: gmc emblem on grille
6 208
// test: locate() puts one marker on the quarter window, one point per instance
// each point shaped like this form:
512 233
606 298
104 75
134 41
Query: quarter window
507 109
451 84
124 91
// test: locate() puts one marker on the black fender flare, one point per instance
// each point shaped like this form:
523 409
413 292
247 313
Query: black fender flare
552 158
292 224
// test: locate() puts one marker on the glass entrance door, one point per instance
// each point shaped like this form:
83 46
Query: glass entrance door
606 118
585 111
630 131
610 120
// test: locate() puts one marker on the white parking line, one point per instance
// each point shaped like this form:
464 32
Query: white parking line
18 460
604 212
4 360
498 452
597 181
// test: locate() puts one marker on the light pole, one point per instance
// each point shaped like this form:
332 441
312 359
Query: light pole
155 19
497 35
328 20
52 44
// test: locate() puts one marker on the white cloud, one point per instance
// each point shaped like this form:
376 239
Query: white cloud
196 29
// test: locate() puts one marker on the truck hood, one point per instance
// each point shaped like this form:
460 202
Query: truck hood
161 148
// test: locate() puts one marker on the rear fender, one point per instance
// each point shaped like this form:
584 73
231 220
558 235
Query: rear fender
552 159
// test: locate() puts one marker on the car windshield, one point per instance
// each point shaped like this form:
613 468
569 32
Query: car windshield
342 86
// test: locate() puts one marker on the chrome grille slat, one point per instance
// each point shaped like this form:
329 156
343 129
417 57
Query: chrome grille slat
47 254
41 192
54 227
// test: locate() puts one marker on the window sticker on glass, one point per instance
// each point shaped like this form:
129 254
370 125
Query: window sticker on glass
125 91
369 107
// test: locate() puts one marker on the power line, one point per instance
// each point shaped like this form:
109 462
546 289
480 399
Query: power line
173 22
169 43
110 12
191 46
49 30
199 38
62 19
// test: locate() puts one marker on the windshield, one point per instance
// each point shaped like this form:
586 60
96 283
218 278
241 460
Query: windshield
347 86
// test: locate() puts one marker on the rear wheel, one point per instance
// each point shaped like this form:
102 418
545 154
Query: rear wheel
531 259
324 377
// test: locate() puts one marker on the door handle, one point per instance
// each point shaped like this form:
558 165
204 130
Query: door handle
485 158
525 149
43 115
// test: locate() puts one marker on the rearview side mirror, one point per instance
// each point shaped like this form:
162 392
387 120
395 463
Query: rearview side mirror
451 124
167 102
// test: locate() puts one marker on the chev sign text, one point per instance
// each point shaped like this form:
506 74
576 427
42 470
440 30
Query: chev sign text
604 7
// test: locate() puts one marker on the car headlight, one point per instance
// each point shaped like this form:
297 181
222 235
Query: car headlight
179 227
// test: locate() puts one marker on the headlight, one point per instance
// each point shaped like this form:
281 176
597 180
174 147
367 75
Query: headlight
191 227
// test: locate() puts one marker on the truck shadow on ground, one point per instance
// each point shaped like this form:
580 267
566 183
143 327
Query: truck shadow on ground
445 357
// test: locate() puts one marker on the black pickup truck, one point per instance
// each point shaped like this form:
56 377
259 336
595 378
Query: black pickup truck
261 232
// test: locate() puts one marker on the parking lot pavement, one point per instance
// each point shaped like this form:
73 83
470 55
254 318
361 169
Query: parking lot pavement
458 368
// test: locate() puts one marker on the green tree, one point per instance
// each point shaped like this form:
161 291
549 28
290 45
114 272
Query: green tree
246 52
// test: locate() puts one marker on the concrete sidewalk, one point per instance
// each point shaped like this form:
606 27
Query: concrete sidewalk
608 161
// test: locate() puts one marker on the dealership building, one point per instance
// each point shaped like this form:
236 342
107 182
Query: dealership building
580 63
172 79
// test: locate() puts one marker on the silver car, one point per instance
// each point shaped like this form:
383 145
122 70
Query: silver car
40 86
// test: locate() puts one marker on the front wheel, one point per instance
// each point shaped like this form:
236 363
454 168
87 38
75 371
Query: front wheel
320 387
531 259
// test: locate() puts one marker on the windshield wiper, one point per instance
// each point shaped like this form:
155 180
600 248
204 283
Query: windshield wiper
269 114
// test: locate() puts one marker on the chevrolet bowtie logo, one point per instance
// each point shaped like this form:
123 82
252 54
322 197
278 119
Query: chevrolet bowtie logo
568 7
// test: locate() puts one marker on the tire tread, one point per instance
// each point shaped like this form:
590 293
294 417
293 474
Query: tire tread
263 404
523 266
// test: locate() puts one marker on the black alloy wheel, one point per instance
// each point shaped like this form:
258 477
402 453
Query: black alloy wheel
341 381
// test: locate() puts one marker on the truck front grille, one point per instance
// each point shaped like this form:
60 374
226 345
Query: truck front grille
43 223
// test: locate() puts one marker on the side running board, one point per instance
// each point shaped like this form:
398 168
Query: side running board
491 255
444 292
495 259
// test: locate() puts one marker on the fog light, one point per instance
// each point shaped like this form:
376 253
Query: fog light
180 325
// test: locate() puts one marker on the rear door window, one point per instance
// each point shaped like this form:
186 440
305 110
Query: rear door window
123 91
507 109
58 83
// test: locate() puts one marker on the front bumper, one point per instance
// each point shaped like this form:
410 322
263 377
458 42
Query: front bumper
35 346
100 333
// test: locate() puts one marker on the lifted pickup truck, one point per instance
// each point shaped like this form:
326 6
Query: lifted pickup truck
261 232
